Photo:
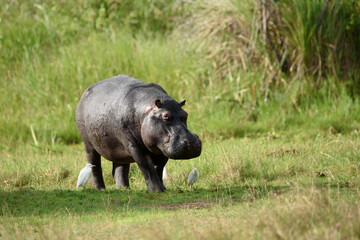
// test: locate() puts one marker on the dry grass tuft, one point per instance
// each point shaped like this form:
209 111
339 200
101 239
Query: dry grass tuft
222 30
301 39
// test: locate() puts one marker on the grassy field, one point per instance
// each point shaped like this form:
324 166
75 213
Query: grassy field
297 187
280 124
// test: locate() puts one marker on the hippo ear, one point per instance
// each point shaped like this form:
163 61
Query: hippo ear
158 103
182 103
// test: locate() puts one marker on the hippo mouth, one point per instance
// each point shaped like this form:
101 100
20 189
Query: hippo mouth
183 150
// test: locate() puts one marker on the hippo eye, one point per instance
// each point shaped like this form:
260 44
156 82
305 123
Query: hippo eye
167 117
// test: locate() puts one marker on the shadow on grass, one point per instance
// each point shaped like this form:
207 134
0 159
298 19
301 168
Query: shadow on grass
32 202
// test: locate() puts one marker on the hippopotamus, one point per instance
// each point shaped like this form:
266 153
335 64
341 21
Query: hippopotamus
126 120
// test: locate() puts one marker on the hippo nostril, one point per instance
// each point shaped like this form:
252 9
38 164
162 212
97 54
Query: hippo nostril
186 142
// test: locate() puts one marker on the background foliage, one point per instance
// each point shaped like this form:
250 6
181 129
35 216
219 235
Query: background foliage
257 65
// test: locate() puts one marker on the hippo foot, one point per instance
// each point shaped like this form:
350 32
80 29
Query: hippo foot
100 188
156 189
99 185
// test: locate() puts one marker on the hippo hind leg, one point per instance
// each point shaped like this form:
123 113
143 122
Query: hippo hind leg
94 158
120 173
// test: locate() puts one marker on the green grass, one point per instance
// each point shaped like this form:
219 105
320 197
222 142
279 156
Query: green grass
52 53
302 186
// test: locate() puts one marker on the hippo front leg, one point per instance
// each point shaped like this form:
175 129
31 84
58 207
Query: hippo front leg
159 164
120 173
147 168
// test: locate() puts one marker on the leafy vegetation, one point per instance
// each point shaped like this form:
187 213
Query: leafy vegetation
272 90
51 51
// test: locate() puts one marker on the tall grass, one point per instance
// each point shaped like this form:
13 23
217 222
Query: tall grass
222 30
215 58
307 40
138 15
45 92
317 38
35 28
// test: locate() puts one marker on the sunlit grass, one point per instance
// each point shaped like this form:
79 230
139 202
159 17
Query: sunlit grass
269 158
247 187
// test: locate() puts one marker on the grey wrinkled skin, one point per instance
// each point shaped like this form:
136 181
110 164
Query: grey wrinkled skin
126 120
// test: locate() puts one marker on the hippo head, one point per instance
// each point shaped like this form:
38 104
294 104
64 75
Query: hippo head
164 130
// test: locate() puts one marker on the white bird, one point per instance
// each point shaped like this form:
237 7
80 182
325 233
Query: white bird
84 175
193 177
164 176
